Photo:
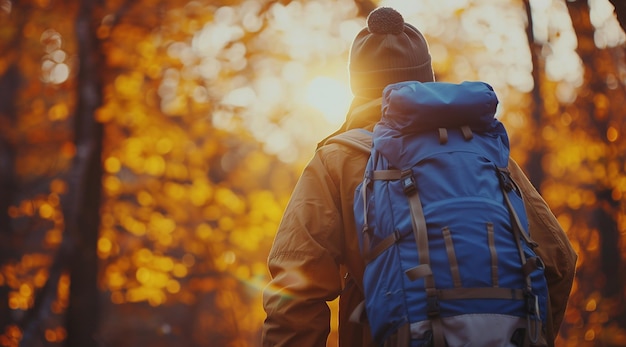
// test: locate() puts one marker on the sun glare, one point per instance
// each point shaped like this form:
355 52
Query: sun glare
329 96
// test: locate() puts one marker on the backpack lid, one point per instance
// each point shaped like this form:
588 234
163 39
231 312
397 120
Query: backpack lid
412 108
417 107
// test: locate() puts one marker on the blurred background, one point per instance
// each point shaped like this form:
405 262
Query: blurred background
148 148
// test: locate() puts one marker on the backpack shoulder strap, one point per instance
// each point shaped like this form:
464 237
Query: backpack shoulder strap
359 139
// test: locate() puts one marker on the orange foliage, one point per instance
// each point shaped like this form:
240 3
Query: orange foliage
207 129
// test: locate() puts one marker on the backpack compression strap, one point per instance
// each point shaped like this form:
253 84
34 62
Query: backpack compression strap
528 264
420 233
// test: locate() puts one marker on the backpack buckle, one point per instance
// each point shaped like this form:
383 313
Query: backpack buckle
506 180
532 304
533 319
408 182
432 306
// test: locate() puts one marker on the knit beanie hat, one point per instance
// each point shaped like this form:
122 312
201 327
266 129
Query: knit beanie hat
387 51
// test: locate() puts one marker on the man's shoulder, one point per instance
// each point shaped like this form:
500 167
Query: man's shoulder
354 140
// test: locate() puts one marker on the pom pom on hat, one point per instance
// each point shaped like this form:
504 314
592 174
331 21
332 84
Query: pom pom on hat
387 51
385 20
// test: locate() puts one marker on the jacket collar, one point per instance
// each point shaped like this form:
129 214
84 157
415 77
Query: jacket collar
363 113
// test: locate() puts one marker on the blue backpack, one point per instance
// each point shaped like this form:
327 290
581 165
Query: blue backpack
444 233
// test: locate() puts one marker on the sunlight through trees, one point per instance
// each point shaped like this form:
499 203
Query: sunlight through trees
185 131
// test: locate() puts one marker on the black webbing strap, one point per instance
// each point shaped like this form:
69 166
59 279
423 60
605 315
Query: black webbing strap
494 255
532 264
386 175
467 132
419 271
375 251
454 264
365 229
507 184
369 253
532 301
481 293
421 239
443 136
400 338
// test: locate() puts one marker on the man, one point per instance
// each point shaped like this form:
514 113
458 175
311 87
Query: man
315 256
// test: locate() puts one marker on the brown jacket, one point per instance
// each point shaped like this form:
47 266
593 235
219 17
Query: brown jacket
315 255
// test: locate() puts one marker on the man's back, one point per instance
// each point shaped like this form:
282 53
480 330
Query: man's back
316 256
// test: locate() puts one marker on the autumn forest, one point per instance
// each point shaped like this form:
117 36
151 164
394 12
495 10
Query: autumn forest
149 147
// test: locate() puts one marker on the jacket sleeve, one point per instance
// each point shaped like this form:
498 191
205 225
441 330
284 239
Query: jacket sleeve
555 249
304 263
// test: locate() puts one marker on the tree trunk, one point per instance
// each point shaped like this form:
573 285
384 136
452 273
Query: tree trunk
535 158
83 204
599 66
9 85
8 82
